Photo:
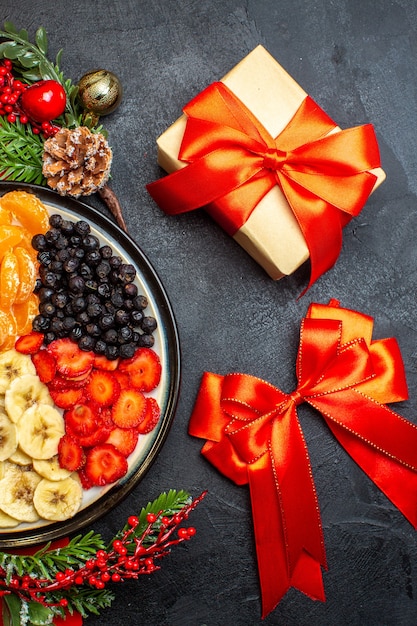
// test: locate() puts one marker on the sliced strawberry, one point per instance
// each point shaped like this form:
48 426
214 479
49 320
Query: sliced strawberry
123 379
99 436
102 387
124 439
30 343
45 365
62 383
81 420
70 454
85 482
101 362
71 361
129 409
152 415
66 398
144 369
104 465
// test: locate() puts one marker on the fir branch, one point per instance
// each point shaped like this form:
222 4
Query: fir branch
20 153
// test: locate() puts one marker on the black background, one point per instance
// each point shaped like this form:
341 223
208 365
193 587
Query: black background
357 59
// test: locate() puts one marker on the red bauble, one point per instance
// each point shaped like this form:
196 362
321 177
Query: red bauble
43 101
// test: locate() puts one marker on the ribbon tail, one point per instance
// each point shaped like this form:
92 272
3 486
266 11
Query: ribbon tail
381 442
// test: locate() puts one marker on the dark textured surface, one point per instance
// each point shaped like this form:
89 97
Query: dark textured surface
357 59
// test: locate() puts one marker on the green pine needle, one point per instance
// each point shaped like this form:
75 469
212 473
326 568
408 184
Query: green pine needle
20 153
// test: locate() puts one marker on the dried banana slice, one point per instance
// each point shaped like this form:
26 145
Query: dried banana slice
39 430
13 365
58 500
8 437
17 489
50 469
23 393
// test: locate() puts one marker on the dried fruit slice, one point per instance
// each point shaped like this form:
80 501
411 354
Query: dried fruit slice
30 343
144 369
151 418
10 236
124 439
80 420
129 409
104 465
58 500
45 365
27 209
71 456
27 274
102 387
66 398
71 361
9 279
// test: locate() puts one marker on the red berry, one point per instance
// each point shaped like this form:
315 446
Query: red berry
24 119
44 101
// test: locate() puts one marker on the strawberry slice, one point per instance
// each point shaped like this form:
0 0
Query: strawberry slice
102 387
151 418
101 362
30 343
85 482
71 361
70 454
62 383
129 409
144 369
122 378
45 365
66 398
104 465
124 439
97 437
80 420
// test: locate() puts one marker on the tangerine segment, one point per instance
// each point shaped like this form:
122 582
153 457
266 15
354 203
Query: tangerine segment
5 215
24 314
10 236
9 280
7 330
27 274
27 209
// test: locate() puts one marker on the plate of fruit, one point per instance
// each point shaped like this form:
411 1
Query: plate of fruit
89 364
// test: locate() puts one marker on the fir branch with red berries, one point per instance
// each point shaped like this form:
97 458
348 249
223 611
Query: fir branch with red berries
40 113
80 576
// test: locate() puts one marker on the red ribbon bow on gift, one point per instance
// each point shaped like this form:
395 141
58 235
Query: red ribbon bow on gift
233 162
254 436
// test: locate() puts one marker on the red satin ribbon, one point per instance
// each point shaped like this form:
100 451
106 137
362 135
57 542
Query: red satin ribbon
233 162
254 437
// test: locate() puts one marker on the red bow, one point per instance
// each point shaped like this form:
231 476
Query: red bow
254 437
233 162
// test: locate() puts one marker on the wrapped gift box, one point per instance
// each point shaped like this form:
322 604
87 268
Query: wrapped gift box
271 234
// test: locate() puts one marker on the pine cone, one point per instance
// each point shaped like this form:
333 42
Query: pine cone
76 162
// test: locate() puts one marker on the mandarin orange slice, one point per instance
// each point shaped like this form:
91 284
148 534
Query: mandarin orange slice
9 280
8 330
27 274
10 236
27 209
24 314
5 215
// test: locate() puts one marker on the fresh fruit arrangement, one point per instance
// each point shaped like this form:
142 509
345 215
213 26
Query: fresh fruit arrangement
77 381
